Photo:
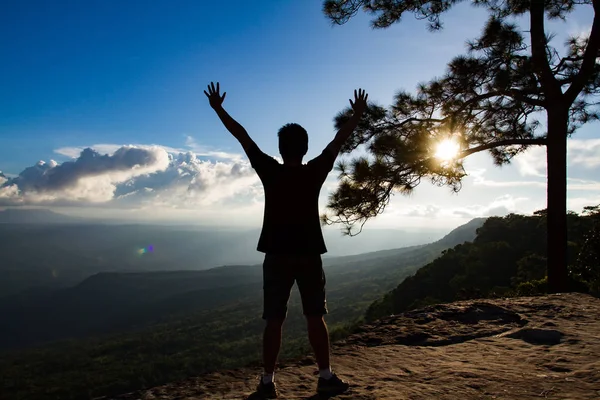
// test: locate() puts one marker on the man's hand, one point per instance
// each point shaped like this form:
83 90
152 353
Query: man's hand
216 100
360 101
214 97
358 106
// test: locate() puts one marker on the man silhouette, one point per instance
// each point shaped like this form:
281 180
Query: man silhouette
291 236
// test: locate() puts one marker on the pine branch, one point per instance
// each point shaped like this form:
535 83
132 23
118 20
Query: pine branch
414 119
589 61
517 94
560 65
507 142
538 51
522 96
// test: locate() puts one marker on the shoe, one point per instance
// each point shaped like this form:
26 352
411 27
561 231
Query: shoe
332 386
266 390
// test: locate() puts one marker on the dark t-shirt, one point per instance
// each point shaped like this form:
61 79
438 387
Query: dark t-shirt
291 223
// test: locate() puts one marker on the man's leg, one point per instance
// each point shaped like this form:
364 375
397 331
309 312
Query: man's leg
318 335
277 285
271 344
311 282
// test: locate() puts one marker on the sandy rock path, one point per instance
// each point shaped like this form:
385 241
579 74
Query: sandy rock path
525 348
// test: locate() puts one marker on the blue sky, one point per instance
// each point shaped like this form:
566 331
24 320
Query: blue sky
96 71
79 74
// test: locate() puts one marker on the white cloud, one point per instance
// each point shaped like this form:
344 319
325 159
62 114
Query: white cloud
583 184
584 152
110 149
500 206
91 177
9 194
581 152
204 151
134 177
532 162
191 145
577 203
428 211
189 182
72 152
480 180
573 183
224 186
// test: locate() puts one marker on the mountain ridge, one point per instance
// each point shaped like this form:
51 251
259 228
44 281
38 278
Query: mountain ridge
119 301
35 216
458 235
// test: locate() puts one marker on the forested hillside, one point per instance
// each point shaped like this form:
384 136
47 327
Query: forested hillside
507 257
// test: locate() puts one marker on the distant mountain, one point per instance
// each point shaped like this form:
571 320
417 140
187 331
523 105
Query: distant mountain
34 216
464 233
459 235
371 239
120 301
67 253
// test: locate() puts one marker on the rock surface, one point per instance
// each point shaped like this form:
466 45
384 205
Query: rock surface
525 348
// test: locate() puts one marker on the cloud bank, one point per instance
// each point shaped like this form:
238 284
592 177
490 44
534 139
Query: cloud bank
190 182
581 152
500 206
128 176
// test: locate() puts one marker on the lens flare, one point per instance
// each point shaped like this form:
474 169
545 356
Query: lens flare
447 150
145 250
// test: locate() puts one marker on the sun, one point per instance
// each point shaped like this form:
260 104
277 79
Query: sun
447 150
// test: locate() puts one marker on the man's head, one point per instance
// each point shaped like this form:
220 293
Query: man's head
293 141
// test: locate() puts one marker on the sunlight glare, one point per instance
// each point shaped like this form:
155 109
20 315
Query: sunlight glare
447 150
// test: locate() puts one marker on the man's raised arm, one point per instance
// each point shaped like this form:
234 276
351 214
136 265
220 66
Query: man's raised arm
358 106
216 102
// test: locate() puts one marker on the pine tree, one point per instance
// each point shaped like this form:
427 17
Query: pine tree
489 99
587 267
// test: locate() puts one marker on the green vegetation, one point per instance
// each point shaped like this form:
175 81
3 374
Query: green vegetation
586 270
507 258
185 345
227 337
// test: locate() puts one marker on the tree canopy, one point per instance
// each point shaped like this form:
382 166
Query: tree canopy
508 257
493 98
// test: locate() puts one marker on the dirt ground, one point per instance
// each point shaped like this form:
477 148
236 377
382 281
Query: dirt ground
525 348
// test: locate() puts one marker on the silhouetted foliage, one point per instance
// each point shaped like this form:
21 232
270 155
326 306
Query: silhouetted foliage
587 267
508 257
489 100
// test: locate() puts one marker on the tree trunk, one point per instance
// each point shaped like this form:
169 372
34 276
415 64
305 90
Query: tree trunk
556 155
